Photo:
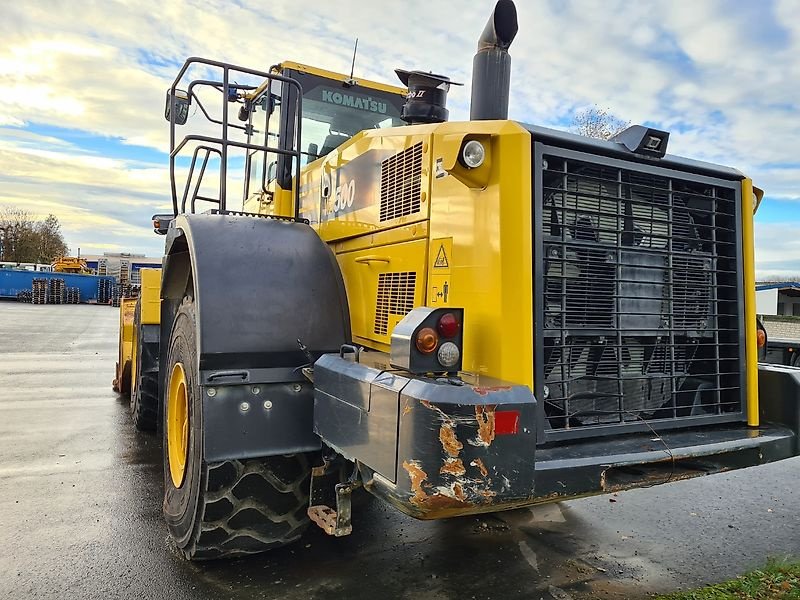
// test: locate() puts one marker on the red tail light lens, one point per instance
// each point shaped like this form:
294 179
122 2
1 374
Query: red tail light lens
448 325
427 340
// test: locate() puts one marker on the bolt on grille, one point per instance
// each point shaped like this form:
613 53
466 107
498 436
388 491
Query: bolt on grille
640 308
395 297
401 181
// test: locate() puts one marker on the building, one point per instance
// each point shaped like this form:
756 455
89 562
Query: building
781 298
123 266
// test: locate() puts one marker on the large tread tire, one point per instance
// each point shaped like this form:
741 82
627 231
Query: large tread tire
144 391
235 507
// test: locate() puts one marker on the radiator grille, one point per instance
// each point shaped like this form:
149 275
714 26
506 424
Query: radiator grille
395 297
640 305
401 179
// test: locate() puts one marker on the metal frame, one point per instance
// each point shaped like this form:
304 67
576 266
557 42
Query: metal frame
220 145
549 435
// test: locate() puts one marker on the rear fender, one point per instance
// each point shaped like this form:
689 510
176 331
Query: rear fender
259 285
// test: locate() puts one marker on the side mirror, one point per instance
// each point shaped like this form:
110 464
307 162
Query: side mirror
179 104
161 223
272 170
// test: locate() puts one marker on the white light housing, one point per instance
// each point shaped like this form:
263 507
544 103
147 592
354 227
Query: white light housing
448 354
473 154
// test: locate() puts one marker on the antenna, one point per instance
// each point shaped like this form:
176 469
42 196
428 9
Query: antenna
352 81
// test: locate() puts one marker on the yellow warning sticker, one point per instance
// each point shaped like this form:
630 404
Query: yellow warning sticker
439 263
443 250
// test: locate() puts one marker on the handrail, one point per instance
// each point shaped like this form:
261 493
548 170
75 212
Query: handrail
221 145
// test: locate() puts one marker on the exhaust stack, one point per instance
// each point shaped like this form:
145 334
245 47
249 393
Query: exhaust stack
491 67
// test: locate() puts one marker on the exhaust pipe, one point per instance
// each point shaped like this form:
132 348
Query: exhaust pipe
491 67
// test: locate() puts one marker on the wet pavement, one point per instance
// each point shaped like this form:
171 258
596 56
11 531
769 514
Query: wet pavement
80 513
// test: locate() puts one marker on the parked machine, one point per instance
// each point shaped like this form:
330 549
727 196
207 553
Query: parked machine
70 264
459 317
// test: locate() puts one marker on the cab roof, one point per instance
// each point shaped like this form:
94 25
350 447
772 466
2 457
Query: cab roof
366 83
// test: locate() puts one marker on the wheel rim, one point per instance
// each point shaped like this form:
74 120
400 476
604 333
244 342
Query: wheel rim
177 425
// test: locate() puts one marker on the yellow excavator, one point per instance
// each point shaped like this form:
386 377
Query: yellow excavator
457 317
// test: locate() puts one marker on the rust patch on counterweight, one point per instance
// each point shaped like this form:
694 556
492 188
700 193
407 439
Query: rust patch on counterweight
417 476
478 464
485 417
453 466
450 443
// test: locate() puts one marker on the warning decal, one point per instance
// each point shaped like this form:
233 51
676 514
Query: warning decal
441 259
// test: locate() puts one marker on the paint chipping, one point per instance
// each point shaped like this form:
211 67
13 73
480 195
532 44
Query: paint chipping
478 464
485 417
486 390
450 443
453 466
487 494
406 407
418 477
458 491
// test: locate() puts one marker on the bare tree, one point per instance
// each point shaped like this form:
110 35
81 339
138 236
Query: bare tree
596 122
23 239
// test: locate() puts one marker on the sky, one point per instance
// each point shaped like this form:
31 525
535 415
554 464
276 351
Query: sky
82 84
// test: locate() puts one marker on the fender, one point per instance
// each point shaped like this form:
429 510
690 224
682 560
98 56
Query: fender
259 285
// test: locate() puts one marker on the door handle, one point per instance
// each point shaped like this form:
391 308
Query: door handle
372 258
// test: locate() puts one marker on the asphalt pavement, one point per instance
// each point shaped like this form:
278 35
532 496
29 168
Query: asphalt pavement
80 513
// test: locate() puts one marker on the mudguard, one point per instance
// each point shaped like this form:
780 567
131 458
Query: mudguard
259 285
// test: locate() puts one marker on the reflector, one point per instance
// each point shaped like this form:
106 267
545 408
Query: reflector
506 422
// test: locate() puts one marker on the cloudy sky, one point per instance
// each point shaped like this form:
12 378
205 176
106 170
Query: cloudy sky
82 87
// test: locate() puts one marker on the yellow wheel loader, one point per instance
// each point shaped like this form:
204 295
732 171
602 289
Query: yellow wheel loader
459 317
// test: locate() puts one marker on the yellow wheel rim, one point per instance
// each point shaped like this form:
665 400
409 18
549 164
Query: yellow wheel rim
177 424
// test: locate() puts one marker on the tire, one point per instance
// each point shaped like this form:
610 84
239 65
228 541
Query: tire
144 379
231 508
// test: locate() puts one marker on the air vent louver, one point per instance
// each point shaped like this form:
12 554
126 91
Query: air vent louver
401 179
395 297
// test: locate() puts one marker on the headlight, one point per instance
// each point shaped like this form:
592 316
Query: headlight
473 154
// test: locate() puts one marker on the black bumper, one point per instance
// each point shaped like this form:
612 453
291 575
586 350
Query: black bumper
436 450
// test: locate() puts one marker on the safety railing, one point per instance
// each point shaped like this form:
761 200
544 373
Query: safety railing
220 147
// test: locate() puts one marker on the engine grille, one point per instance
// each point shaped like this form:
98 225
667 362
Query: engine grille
395 297
401 180
639 320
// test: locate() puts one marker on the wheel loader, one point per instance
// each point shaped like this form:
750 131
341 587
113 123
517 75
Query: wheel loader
457 317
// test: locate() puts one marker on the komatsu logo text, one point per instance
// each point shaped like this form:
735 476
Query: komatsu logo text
354 101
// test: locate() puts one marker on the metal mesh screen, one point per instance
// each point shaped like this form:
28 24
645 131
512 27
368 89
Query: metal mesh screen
395 297
640 306
401 180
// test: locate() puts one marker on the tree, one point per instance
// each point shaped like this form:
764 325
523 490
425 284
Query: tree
51 242
25 240
598 123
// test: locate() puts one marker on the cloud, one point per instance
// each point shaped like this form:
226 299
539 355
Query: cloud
721 75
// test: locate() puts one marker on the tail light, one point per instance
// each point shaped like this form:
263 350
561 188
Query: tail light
448 325
429 340
761 341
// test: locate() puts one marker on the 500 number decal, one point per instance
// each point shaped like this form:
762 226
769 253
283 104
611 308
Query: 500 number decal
343 196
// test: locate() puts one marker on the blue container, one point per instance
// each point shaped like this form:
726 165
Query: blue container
16 280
